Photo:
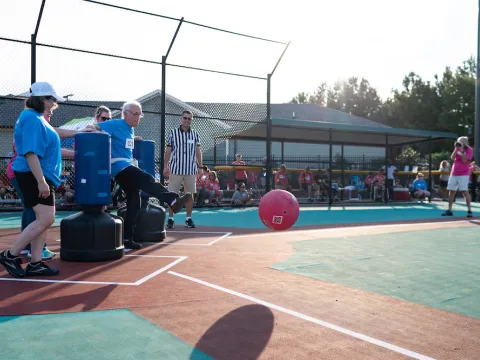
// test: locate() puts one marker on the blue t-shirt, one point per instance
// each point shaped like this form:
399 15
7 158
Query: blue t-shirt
122 143
34 134
419 184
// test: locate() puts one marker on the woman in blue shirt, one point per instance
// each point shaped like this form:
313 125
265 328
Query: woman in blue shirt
37 169
419 187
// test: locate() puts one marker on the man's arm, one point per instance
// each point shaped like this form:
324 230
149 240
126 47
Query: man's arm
166 159
199 156
67 133
68 153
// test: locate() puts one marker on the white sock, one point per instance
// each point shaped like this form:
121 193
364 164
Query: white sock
171 218
188 218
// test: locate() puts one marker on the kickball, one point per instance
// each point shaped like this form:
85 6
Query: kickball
279 210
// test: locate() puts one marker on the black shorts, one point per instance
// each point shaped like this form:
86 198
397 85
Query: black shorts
443 183
29 188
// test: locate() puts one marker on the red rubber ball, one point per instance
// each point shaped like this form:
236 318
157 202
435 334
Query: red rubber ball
278 210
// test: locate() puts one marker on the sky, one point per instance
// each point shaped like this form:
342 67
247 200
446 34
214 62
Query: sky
329 41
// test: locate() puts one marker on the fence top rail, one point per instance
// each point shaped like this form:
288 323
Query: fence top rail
353 172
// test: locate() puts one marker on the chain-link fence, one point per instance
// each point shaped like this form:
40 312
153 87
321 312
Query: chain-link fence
166 74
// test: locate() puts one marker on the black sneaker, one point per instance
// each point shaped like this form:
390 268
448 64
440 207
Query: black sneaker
180 202
130 244
447 213
189 223
170 224
12 265
40 269
469 214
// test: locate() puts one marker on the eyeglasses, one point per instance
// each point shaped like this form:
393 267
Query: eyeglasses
141 115
51 98
104 118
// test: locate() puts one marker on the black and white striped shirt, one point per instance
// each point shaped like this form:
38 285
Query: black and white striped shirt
183 159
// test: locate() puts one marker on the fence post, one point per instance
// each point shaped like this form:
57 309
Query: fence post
268 175
430 180
163 119
330 163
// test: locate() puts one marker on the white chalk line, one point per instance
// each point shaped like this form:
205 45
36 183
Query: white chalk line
328 325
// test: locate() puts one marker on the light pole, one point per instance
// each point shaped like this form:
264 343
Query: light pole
476 128
67 96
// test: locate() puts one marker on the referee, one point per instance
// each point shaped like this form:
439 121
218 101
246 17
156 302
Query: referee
182 159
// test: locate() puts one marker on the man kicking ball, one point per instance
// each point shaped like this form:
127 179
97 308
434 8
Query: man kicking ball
130 178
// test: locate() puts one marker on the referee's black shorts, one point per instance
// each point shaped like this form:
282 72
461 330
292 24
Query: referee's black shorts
29 188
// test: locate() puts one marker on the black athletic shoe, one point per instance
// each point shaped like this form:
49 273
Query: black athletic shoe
180 202
447 213
12 265
130 244
40 269
170 224
469 214
189 223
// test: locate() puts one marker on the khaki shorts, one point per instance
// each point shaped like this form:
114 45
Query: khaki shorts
189 183
459 183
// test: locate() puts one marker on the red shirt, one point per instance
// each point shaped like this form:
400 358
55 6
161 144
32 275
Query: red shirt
380 178
281 178
306 177
240 174
213 185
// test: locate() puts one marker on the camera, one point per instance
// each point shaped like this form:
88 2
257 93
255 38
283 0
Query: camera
458 144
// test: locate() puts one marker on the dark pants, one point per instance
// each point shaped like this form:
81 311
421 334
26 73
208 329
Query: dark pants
132 180
390 189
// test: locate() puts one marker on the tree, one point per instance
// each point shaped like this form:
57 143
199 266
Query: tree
457 93
301 98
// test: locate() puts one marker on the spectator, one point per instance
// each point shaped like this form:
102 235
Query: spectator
419 188
202 192
240 175
305 180
241 196
281 179
444 167
213 188
379 185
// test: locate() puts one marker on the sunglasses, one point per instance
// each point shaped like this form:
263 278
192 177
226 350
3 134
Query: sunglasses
104 118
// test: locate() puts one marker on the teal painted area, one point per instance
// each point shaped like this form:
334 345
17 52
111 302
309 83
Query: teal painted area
438 268
100 335
247 218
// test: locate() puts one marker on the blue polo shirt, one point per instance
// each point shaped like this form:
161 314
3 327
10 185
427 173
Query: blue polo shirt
122 143
33 134
419 184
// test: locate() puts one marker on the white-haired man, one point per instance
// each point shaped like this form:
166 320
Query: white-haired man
130 178
461 156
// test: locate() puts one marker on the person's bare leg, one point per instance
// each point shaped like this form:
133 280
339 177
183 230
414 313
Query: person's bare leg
451 199
189 207
45 216
37 247
467 197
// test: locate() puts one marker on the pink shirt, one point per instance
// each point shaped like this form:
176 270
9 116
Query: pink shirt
459 167
10 173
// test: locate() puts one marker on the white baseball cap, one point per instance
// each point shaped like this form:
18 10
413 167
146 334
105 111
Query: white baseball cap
44 89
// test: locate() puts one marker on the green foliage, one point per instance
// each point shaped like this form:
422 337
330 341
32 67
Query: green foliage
408 156
446 104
